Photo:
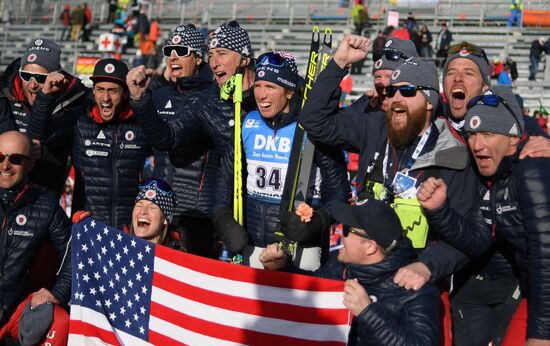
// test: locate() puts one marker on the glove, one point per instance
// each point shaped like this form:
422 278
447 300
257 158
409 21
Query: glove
80 215
232 234
299 231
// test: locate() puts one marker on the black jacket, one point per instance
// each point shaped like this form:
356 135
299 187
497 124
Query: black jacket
443 156
398 316
201 118
194 168
61 108
108 158
31 216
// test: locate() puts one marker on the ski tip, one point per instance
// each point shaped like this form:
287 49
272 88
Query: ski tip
316 29
328 31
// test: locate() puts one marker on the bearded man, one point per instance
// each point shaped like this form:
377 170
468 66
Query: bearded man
399 150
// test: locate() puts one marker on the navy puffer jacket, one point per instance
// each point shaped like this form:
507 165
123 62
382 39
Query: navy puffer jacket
59 110
33 218
201 119
396 316
191 170
108 159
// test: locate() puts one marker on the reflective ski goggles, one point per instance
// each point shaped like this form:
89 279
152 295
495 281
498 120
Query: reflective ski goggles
13 158
346 230
40 78
161 185
492 100
181 51
408 90
467 48
393 54
270 59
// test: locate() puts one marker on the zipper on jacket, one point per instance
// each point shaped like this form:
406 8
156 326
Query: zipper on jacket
115 178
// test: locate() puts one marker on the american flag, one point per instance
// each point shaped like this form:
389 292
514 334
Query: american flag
128 291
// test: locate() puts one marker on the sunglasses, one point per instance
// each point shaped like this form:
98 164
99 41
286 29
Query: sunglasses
181 51
14 158
408 90
270 59
40 78
493 100
161 185
393 54
469 48
347 230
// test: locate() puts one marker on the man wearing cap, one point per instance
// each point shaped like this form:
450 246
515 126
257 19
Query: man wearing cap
31 216
374 249
187 81
108 148
514 197
25 90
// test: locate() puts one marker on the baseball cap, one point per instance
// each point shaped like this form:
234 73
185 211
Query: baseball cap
110 69
376 218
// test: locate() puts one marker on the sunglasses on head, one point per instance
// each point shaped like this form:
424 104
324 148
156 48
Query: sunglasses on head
408 90
181 51
346 230
393 54
40 78
14 158
161 185
469 48
492 100
271 59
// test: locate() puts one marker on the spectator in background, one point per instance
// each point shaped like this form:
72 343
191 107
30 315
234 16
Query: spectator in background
154 31
113 6
444 39
542 120
360 17
498 67
513 68
504 77
87 26
537 47
425 42
401 33
516 7
66 21
377 47
142 27
410 22
78 19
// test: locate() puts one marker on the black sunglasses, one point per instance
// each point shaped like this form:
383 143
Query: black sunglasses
467 48
408 90
181 51
40 78
270 59
161 185
13 158
347 230
393 54
493 100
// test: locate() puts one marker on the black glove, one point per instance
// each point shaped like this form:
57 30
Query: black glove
232 234
294 229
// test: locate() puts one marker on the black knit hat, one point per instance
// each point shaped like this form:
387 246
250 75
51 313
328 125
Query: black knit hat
233 37
111 70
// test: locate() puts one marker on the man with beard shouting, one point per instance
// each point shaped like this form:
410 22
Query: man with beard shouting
403 147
